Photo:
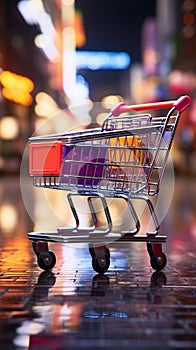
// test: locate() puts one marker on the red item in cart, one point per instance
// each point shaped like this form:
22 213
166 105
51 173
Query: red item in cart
45 158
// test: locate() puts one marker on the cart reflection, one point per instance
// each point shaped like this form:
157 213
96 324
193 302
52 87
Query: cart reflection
89 308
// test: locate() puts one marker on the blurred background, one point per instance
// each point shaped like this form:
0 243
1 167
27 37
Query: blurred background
57 54
64 63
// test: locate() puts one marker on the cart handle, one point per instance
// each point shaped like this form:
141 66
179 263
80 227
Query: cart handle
180 104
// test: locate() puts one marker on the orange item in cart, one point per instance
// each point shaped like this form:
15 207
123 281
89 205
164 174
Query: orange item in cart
133 144
124 152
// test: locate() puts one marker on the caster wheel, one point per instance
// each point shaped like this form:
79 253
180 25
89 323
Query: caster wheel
158 259
100 258
101 265
46 262
158 263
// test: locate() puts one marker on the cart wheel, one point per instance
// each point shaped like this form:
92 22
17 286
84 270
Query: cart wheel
101 265
158 263
158 259
100 258
46 262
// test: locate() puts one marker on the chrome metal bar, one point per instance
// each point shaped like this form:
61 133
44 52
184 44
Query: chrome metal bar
152 212
133 213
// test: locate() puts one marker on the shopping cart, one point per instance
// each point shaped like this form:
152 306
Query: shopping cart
124 159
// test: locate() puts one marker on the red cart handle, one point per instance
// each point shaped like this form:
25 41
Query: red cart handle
180 104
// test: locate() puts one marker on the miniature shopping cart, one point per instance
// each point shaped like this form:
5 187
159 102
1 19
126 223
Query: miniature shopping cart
124 159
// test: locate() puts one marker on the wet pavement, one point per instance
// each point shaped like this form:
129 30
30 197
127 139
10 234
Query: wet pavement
72 307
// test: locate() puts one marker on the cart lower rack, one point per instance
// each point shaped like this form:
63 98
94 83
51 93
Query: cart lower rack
124 159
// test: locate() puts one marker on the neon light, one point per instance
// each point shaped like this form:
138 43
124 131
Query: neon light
102 60
34 13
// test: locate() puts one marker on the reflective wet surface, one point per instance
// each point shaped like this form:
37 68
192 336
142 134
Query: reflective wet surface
72 307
